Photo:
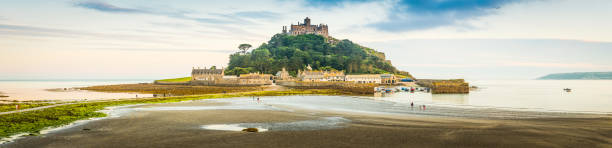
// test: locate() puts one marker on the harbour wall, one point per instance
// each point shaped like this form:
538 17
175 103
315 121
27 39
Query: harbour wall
451 86
343 85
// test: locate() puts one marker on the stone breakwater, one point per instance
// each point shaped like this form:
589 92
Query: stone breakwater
345 86
445 86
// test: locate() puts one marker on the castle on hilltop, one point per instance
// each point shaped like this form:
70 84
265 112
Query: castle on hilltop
307 28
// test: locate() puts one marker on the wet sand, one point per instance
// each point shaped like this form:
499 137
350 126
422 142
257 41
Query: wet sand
182 128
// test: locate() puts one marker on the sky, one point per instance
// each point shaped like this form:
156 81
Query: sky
152 39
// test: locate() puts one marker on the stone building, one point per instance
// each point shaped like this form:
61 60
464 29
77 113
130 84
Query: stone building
217 77
334 75
310 75
388 79
371 78
283 75
307 28
230 79
255 79
205 76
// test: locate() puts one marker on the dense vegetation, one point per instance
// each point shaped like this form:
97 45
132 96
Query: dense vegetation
296 52
34 121
579 76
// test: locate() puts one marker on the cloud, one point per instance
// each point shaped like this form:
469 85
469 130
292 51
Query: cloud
332 3
221 21
171 13
258 15
410 15
445 65
33 31
168 50
9 29
220 18
215 21
556 65
106 7
170 24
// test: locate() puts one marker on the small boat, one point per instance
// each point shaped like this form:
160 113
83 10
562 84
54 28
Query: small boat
567 90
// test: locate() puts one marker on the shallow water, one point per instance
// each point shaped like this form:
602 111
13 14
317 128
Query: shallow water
319 124
533 95
542 95
37 90
314 105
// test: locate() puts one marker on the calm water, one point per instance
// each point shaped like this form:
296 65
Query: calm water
545 95
548 95
36 90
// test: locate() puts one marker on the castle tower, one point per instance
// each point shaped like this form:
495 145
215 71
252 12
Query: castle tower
306 28
307 21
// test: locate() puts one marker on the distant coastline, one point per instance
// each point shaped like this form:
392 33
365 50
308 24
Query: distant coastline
578 76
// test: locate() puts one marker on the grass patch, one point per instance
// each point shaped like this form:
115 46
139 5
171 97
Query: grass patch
34 121
184 79
11 106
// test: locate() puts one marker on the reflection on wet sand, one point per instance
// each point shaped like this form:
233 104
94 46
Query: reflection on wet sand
323 121
451 98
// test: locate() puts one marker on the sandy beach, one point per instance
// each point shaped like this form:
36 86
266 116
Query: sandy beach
180 125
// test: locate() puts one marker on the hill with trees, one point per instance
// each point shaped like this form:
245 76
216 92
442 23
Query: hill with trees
296 52
579 76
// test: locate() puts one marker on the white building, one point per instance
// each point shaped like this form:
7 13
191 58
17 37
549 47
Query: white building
370 78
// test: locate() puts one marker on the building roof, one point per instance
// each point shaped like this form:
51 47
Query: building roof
230 77
207 71
386 75
255 76
363 76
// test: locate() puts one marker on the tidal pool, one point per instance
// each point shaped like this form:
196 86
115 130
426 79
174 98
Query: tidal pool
319 124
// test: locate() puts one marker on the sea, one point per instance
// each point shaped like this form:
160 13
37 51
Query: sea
62 90
587 96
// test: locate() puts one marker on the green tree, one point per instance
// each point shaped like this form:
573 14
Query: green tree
261 59
327 68
295 52
244 47
238 71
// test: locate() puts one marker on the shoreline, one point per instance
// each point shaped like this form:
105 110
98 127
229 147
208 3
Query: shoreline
182 124
474 110
101 105
36 120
